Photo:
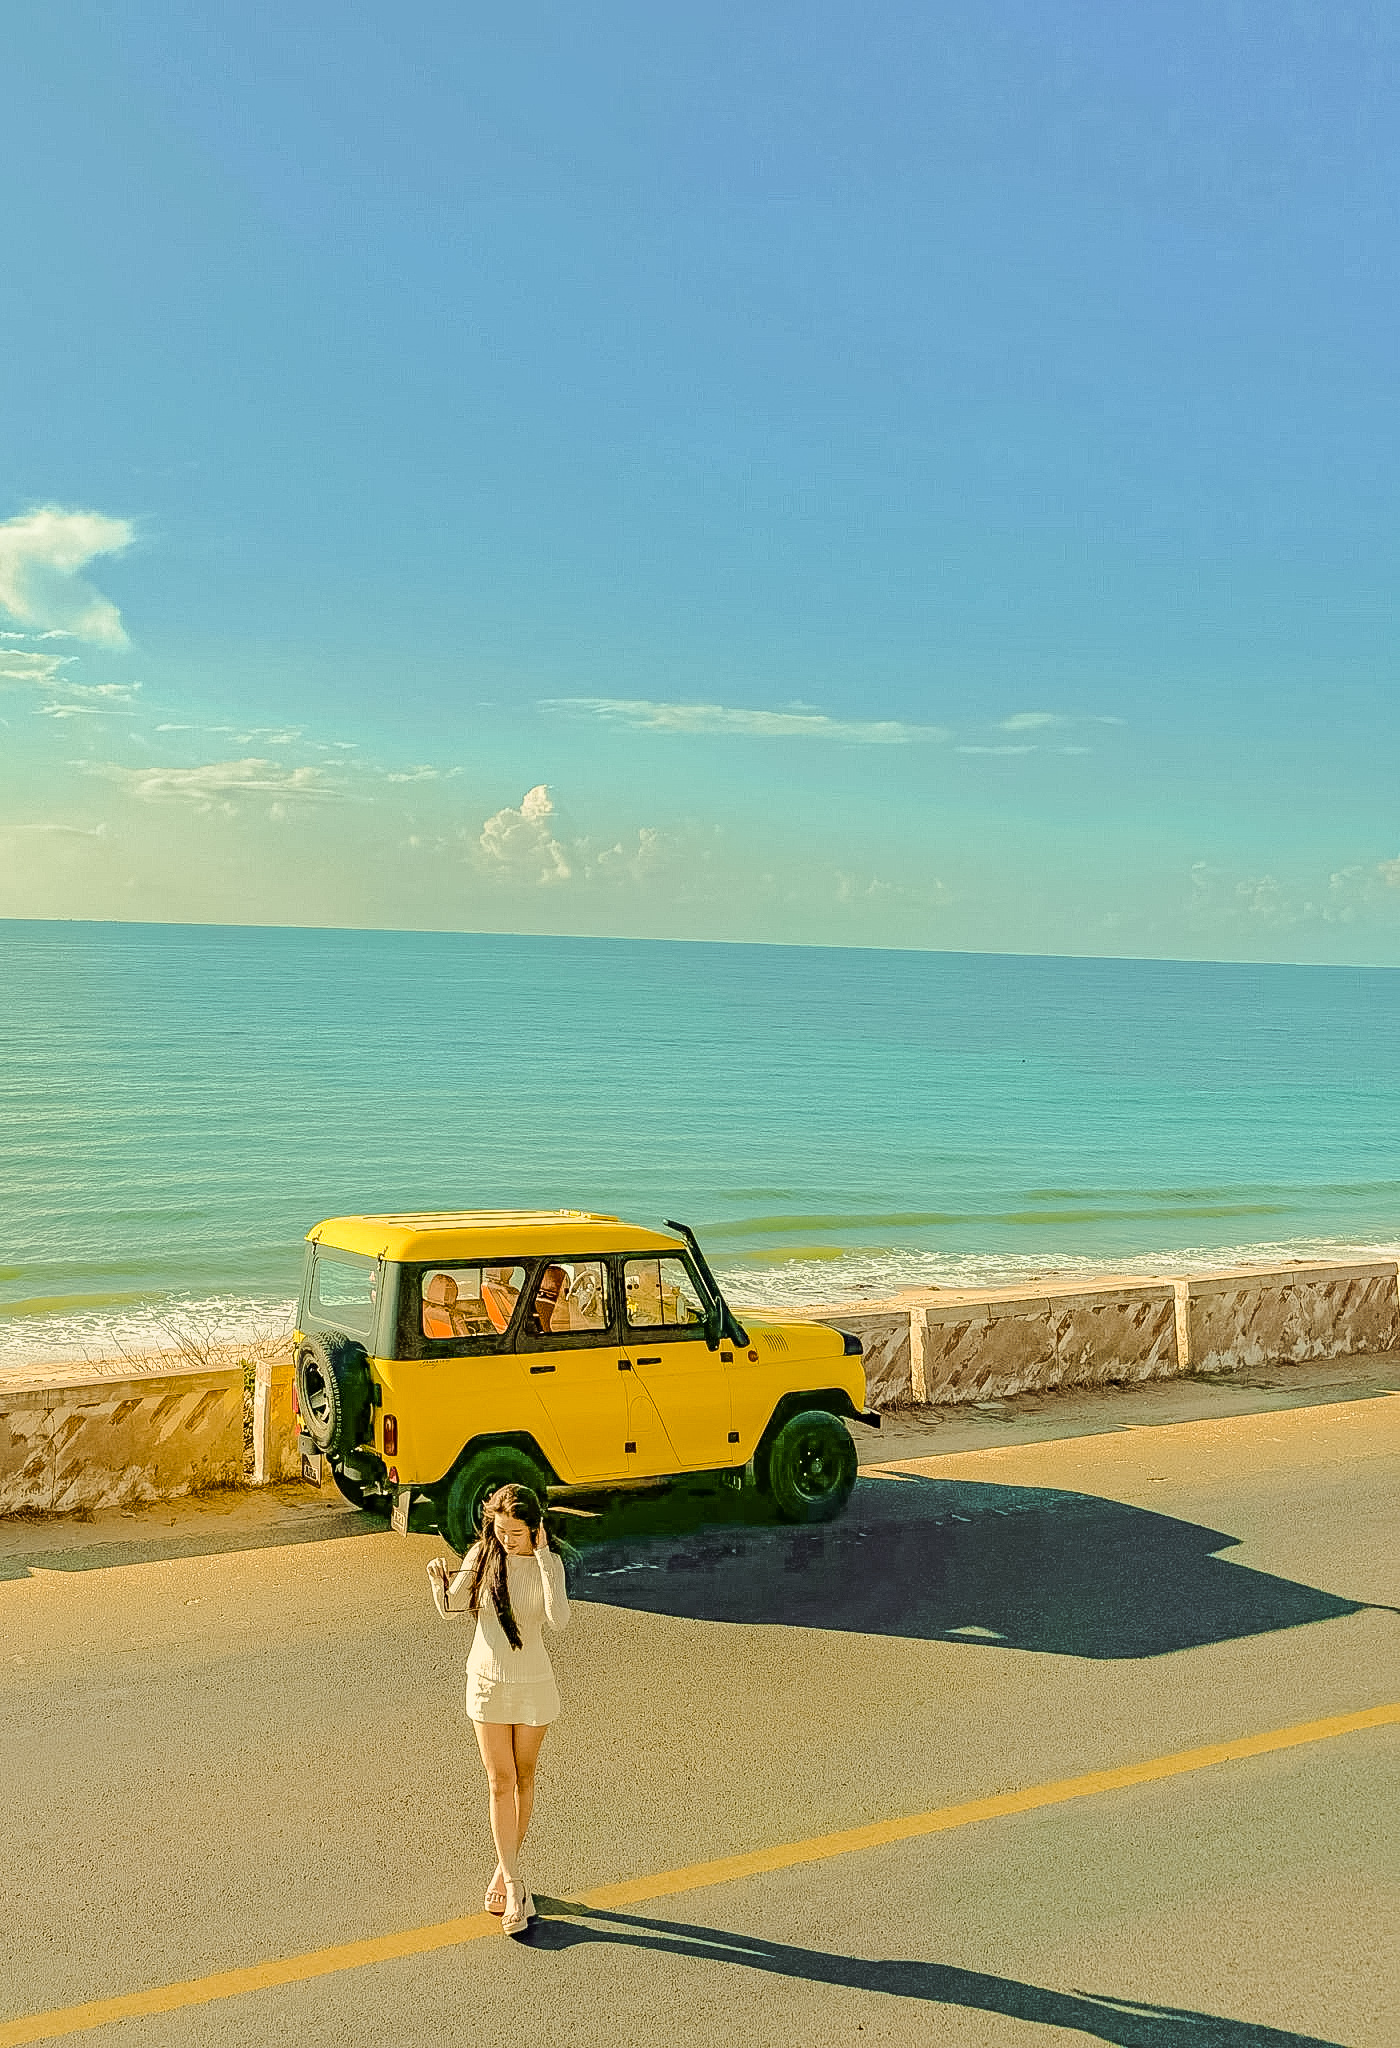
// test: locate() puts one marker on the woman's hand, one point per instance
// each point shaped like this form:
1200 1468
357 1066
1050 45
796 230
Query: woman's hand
541 1541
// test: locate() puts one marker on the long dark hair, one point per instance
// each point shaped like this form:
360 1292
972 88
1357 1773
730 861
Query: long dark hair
489 1577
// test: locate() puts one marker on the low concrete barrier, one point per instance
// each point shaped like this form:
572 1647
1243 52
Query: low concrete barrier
71 1442
975 1347
975 1344
1283 1315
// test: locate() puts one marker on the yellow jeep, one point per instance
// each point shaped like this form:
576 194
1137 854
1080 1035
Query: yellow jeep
447 1354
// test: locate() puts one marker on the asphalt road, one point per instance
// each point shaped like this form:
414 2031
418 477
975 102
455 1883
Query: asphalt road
233 1731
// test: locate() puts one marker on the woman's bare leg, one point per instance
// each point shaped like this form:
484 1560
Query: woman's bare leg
526 1747
494 1740
527 1750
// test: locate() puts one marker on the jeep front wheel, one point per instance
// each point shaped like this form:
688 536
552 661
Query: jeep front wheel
810 1467
497 1465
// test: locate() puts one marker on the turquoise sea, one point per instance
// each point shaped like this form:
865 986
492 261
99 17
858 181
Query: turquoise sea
178 1104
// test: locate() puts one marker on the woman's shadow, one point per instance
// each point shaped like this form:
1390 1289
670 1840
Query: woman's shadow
1125 2021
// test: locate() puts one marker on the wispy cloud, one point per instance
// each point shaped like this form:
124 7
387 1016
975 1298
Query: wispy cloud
996 750
270 735
641 714
222 783
1032 721
41 553
66 831
91 700
26 669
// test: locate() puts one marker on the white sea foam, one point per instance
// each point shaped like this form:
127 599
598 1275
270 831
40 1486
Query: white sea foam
192 1330
872 1276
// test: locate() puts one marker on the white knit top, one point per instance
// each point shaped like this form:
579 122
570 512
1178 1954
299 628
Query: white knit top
537 1596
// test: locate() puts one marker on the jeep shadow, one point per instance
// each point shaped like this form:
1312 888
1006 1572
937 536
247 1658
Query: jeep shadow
1004 1567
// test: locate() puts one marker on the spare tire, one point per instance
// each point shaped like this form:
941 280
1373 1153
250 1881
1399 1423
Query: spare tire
334 1392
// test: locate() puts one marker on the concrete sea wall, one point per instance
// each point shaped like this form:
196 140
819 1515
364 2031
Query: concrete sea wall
72 1441
85 1437
966 1344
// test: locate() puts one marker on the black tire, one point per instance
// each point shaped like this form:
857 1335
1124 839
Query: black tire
810 1467
497 1465
350 1489
334 1392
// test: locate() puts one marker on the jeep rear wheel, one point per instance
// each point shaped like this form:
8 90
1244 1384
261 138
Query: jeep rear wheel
810 1467
497 1465
378 1502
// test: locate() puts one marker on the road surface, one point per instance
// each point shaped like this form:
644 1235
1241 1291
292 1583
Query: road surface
234 1740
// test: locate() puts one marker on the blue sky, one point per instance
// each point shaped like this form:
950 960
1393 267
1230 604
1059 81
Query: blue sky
837 474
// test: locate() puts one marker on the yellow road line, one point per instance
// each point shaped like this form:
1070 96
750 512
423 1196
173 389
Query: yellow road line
417 1941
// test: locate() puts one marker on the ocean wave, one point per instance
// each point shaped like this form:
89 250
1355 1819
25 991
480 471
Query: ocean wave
188 1327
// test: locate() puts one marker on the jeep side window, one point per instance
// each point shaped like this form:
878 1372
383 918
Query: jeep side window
344 1290
661 1295
570 1295
469 1301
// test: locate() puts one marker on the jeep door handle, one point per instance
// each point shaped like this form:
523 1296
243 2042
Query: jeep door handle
541 1368
649 1361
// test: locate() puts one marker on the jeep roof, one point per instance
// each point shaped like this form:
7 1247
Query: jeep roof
487 1234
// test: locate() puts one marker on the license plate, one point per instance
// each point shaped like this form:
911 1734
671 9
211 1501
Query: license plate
398 1518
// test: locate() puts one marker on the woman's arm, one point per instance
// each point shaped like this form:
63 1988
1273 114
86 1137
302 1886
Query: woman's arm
556 1599
445 1591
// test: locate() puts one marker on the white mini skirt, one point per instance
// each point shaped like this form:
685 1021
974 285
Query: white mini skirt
526 1702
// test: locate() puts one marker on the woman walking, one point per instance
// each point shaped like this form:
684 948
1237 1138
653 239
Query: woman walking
511 1581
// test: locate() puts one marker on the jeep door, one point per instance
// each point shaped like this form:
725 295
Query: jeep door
664 1344
568 1343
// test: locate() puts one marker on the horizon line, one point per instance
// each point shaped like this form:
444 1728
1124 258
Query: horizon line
756 945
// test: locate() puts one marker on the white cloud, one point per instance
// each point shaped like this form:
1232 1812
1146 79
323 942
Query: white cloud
67 831
1351 894
522 842
86 700
222 783
642 715
272 735
25 669
41 553
422 774
530 845
996 750
1031 721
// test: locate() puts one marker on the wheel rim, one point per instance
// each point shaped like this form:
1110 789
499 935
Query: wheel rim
315 1396
816 1468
